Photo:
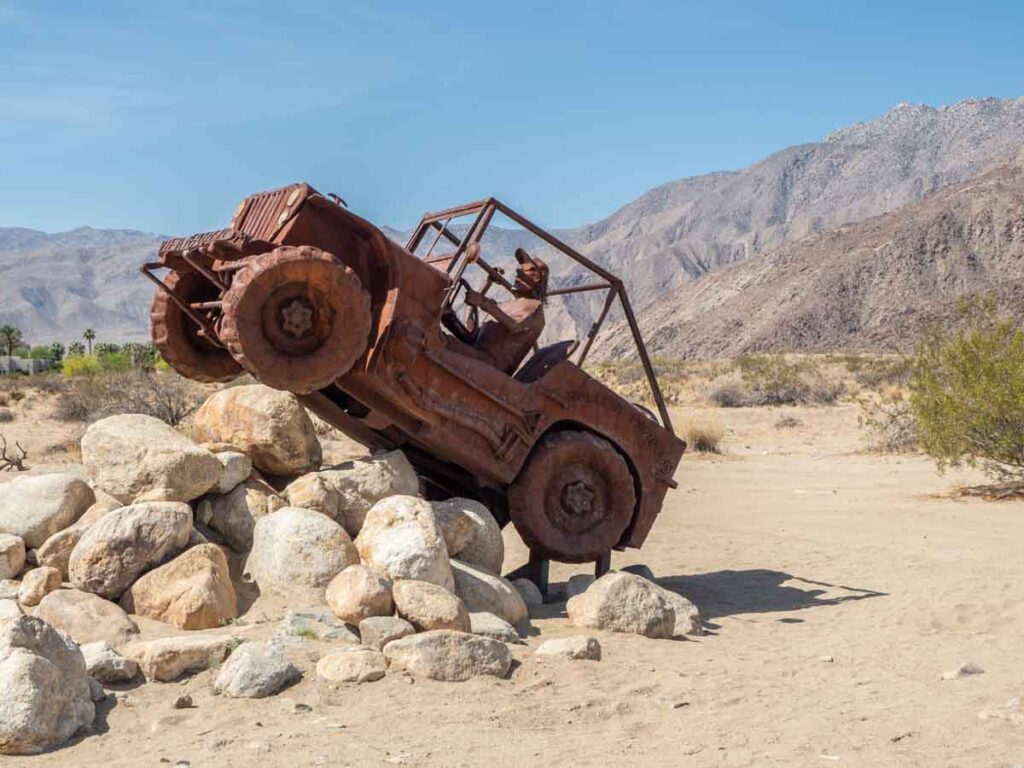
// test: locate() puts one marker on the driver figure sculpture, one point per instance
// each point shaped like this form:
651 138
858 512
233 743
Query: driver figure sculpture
517 324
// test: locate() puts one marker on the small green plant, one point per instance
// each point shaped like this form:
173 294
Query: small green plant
113 361
306 634
967 393
773 380
81 365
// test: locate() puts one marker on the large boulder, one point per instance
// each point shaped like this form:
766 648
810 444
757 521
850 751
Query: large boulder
56 550
12 555
125 543
105 664
233 515
623 602
296 552
359 484
483 591
86 617
359 592
168 658
46 694
312 491
400 537
37 584
427 606
131 456
457 527
529 591
448 655
270 427
348 665
193 591
688 619
9 609
236 468
35 507
377 631
489 625
256 670
486 547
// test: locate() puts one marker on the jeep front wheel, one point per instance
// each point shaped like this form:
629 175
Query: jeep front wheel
574 498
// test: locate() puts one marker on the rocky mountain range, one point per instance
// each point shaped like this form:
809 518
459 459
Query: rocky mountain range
872 285
53 286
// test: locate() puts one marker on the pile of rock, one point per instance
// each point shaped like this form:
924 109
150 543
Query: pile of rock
155 524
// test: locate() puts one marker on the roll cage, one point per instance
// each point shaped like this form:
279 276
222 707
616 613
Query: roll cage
439 226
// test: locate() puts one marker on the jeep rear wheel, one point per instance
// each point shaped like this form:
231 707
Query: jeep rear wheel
574 498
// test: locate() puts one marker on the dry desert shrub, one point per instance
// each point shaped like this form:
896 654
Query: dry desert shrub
889 420
703 434
773 380
164 395
729 392
878 373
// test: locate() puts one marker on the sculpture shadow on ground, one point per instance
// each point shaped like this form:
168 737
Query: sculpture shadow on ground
759 590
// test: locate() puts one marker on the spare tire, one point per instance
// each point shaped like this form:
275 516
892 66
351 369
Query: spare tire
296 318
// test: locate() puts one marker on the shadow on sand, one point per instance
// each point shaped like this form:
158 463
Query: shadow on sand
726 593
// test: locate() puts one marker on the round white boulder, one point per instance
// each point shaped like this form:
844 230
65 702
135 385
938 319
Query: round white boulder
401 537
296 552
132 456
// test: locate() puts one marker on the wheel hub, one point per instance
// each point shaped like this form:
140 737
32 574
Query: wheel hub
297 318
577 499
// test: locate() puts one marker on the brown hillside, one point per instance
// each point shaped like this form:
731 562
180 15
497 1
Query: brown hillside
871 285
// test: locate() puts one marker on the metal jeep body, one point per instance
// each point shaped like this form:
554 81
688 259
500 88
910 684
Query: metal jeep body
310 298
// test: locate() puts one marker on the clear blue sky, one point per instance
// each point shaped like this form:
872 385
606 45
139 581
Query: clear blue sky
162 115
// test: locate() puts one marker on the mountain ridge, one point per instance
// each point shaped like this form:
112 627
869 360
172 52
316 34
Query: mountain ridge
869 285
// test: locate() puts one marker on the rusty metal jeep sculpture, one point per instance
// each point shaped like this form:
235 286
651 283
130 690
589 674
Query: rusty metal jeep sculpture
310 298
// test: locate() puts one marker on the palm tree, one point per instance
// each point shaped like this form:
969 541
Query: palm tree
89 335
10 337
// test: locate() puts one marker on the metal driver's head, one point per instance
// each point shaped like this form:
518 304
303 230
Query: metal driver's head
531 276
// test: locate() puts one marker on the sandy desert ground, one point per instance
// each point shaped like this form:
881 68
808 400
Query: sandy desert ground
837 586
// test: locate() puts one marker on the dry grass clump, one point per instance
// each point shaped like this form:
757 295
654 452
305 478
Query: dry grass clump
703 434
10 391
889 419
878 373
787 422
774 380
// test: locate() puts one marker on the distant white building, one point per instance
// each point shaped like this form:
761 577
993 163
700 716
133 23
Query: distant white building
10 365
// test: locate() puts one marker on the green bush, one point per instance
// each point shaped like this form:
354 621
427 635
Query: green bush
81 365
967 393
112 362
773 380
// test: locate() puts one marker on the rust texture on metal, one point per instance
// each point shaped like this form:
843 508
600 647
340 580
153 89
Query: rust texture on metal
310 298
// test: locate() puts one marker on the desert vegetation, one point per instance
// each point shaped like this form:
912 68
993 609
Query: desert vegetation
967 393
